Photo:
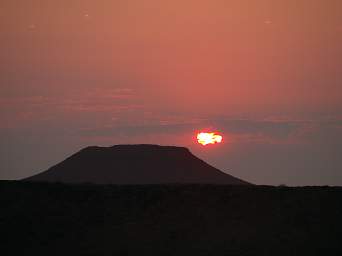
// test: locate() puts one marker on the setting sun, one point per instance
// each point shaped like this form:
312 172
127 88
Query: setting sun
206 138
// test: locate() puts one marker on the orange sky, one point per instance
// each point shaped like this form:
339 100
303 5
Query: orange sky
100 65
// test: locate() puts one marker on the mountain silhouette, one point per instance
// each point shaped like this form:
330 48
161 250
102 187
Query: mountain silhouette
135 164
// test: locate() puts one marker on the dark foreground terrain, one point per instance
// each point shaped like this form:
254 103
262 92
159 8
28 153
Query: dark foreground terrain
57 219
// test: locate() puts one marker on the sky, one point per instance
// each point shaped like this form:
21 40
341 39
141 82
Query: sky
266 74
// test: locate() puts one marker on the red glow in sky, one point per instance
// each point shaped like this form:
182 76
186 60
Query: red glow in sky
267 73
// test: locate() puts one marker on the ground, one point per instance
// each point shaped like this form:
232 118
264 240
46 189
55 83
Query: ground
86 219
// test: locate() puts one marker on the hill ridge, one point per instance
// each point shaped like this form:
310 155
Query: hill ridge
135 164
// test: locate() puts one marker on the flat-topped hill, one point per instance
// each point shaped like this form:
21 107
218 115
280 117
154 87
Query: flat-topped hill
135 164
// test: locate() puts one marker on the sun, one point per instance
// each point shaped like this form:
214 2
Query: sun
206 138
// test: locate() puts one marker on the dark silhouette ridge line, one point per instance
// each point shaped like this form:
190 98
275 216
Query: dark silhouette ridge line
135 164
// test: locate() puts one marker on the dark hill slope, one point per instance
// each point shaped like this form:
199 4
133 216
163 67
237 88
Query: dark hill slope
56 219
135 164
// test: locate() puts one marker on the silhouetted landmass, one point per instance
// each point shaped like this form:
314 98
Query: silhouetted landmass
84 219
135 164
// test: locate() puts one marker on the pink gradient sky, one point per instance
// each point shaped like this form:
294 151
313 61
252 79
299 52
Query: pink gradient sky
265 73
